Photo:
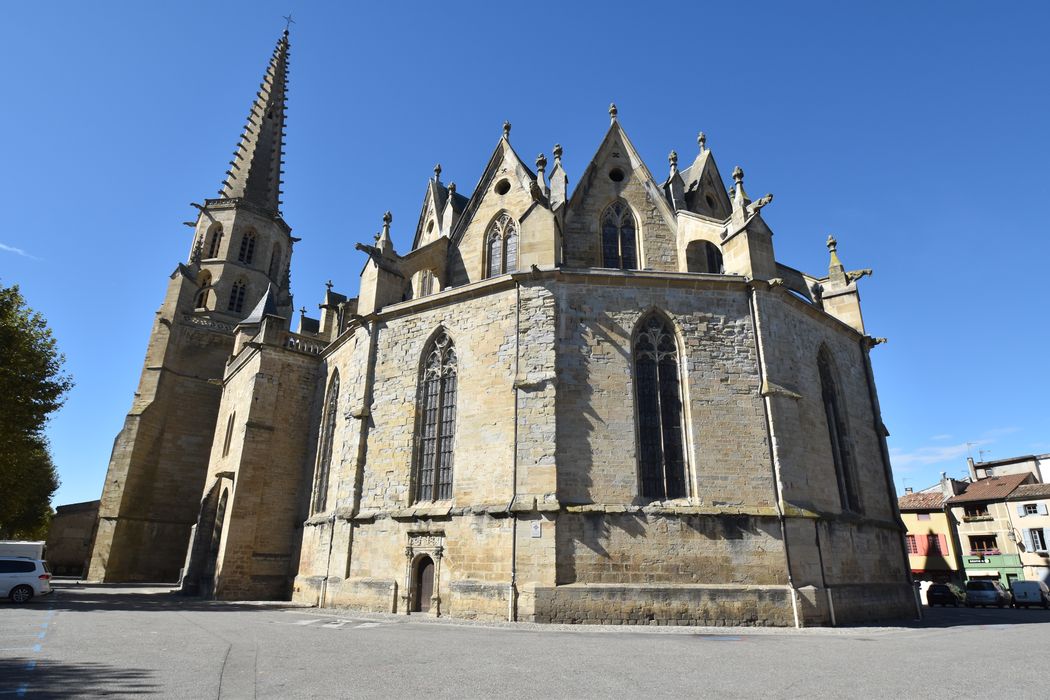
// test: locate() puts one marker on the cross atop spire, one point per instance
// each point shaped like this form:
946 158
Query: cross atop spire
255 172
288 22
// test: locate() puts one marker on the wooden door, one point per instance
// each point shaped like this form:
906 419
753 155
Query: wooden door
424 584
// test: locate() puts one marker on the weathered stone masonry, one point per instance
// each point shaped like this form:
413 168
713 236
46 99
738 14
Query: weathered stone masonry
289 464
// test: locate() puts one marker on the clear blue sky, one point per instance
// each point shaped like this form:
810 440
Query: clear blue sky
917 133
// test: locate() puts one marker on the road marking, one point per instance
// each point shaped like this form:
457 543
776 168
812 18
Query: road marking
366 625
305 622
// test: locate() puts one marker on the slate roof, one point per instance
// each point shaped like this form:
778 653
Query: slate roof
931 500
996 488
1028 491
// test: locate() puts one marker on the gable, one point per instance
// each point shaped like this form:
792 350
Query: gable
617 172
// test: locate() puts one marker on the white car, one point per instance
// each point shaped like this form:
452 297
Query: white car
21 578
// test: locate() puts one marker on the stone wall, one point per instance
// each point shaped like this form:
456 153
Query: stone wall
69 538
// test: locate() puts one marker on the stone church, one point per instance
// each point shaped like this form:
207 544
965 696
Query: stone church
600 403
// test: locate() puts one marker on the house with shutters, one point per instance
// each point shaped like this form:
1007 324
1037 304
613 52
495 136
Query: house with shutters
1029 510
982 518
933 547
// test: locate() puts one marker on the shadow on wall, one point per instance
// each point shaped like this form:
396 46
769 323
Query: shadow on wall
23 676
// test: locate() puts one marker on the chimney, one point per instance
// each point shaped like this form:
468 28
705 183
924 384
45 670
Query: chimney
973 472
908 489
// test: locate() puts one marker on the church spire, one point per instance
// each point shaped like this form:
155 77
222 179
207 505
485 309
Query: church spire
255 172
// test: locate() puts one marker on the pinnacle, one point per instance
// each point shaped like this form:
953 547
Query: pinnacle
256 177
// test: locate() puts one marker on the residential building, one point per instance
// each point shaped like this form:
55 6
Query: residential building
932 544
1032 464
987 537
1030 522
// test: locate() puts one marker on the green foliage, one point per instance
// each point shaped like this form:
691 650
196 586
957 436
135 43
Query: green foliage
32 387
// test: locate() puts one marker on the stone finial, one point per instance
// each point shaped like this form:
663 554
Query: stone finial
451 188
832 244
557 153
437 171
541 162
672 158
701 141
738 175
387 218
506 130
612 111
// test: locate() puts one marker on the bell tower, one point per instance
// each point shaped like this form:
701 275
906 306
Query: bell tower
241 247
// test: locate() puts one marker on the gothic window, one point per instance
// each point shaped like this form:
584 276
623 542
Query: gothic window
619 237
324 450
837 434
215 238
426 283
275 262
437 421
229 434
204 280
502 246
704 256
237 291
247 254
659 401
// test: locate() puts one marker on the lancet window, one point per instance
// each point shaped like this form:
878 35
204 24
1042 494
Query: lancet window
247 253
619 237
204 281
502 246
659 401
215 239
837 434
324 448
437 420
237 292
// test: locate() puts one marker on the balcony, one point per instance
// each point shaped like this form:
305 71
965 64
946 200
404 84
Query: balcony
976 518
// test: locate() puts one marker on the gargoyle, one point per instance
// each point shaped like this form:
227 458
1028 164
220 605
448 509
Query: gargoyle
855 275
757 205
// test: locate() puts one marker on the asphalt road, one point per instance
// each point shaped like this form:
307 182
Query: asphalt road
89 641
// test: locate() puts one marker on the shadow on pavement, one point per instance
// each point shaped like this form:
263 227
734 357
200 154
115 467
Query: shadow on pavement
940 618
94 596
52 679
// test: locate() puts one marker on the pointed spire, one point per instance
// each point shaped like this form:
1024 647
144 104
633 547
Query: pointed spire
383 243
267 306
255 175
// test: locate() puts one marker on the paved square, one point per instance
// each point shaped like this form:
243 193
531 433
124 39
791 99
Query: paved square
129 642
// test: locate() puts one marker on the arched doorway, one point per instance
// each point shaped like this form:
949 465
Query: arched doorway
423 584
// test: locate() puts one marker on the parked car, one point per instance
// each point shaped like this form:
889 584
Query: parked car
985 592
1029 593
21 578
944 594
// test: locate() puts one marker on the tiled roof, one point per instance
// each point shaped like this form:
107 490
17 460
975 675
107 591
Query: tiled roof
996 488
931 500
1026 491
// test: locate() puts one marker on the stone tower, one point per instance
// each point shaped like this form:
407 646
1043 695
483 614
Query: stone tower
241 248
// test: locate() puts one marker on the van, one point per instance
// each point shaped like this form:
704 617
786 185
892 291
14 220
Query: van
15 548
23 578
1029 593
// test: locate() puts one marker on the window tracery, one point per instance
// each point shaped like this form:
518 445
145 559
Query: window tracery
659 401
502 246
619 237
437 423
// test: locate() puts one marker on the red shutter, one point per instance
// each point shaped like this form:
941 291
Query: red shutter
923 543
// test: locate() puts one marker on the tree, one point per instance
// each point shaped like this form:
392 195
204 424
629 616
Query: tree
32 386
